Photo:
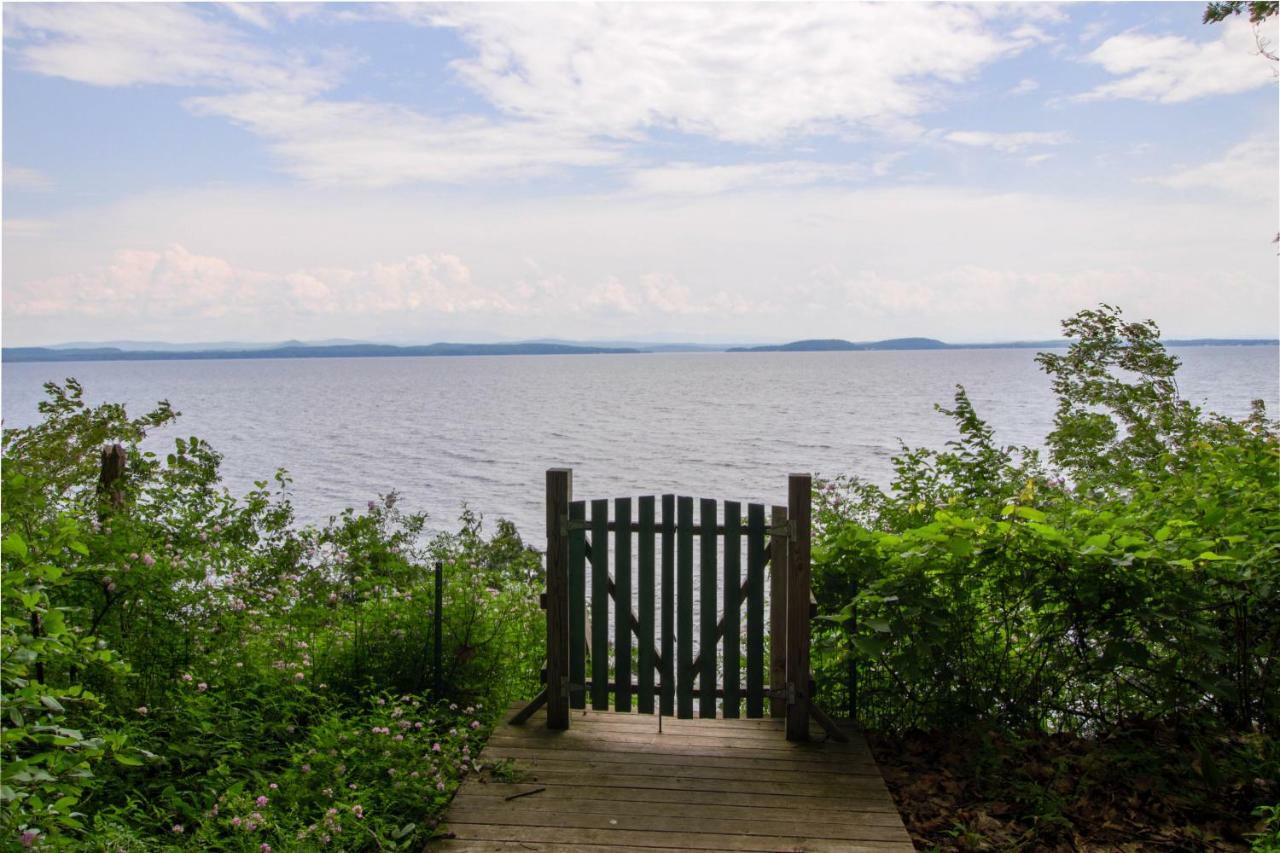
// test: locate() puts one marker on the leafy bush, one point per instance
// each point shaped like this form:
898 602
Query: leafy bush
1135 576
172 654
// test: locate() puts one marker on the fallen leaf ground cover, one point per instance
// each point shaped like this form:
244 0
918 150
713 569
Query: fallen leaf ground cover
1140 789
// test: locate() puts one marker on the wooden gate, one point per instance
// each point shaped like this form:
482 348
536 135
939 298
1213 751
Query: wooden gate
652 551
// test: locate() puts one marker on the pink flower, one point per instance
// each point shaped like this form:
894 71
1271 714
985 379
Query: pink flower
439 786
435 747
142 710
235 821
306 768
28 837
148 560
177 829
358 810
186 676
297 676
202 687
273 786
475 724
262 801
265 847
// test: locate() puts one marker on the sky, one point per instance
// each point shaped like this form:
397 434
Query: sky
726 172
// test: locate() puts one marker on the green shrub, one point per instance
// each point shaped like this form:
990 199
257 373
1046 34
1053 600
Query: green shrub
173 653
1134 577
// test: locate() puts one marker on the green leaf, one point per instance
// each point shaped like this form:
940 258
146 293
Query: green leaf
14 544
1029 513
52 704
871 645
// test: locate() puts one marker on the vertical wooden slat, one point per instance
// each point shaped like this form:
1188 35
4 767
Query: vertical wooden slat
600 605
668 698
622 604
799 494
707 583
644 566
732 609
684 607
559 494
577 607
755 610
778 614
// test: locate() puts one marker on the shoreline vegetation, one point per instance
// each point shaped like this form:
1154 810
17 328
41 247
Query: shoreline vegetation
170 352
1080 651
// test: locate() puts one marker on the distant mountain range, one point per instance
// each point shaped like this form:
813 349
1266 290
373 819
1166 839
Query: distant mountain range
291 350
839 345
148 351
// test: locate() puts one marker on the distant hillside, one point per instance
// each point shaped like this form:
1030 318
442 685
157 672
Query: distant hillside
838 345
18 354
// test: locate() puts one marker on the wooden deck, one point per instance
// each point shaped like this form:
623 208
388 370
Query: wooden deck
613 783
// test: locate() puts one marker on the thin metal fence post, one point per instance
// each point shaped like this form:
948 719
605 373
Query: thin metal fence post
437 633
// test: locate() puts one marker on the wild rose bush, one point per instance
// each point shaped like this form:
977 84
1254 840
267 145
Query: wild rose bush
173 654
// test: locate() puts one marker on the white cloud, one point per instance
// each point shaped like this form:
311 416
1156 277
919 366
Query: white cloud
696 179
146 43
1247 169
1008 143
570 83
176 284
22 178
1171 69
1025 86
19 228
379 145
1037 159
703 265
738 73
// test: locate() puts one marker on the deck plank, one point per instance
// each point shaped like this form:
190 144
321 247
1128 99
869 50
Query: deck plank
613 783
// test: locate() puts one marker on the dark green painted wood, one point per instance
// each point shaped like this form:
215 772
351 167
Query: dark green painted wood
622 603
667 699
600 605
645 593
707 610
732 608
755 610
577 607
684 607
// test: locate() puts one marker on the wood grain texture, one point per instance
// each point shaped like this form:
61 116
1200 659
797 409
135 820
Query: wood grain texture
613 783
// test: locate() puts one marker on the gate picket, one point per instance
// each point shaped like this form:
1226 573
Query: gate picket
684 604
732 608
707 598
622 603
755 610
667 701
600 605
644 559
577 605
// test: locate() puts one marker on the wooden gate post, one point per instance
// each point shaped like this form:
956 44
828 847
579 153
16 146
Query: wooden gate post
799 496
778 614
559 494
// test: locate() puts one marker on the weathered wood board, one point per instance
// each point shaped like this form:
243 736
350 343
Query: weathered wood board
613 783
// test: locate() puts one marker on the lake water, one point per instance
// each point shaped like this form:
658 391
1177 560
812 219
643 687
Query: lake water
482 430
